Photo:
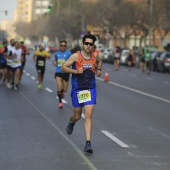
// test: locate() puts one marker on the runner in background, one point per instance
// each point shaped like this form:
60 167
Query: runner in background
10 47
3 56
39 58
147 61
25 52
96 51
16 66
62 79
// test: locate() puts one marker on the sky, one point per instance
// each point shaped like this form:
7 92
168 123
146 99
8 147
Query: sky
10 6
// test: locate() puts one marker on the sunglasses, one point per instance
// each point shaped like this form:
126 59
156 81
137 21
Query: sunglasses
87 43
63 45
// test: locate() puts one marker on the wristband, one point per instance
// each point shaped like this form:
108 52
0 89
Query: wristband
99 69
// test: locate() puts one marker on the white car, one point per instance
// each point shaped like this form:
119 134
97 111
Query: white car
105 53
123 56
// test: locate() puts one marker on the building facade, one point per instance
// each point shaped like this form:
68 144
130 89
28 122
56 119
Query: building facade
29 10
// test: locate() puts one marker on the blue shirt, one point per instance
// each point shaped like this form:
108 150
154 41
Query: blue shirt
2 59
61 57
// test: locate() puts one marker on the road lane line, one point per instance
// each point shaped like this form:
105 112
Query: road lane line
147 78
134 90
166 82
133 75
64 101
119 142
89 163
32 77
28 74
48 89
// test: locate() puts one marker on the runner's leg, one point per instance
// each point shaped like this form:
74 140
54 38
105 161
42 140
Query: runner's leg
88 121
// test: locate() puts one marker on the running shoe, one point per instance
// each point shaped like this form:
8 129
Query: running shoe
60 106
9 86
16 87
88 149
39 86
69 128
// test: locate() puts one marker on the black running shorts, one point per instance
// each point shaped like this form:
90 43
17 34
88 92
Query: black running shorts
64 76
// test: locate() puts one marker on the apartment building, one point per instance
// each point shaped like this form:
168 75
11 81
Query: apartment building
28 10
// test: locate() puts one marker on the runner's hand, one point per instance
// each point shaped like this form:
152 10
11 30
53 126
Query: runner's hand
79 70
98 73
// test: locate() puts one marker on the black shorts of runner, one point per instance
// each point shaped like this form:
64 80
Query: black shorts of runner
40 70
64 76
22 64
116 58
2 65
8 68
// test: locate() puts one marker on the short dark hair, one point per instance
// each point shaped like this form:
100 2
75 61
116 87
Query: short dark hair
63 41
90 36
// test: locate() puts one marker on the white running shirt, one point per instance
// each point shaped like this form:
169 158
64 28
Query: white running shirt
9 61
16 61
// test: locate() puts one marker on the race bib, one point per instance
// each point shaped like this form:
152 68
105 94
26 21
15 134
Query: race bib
16 61
84 96
9 63
41 63
60 62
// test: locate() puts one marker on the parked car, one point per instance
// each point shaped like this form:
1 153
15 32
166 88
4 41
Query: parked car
105 54
100 47
124 55
110 58
164 62
155 55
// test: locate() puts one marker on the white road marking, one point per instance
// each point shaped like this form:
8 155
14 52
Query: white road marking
148 78
134 75
24 71
32 77
28 74
119 142
134 90
49 90
166 82
64 101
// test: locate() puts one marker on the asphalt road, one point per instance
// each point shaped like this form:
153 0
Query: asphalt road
131 124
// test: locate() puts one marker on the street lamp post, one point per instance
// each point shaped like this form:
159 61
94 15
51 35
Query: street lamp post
150 19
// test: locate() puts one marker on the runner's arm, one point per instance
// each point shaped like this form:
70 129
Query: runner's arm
47 55
72 59
54 63
99 65
34 57
27 51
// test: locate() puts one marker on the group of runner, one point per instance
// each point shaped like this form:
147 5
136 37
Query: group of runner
82 64
12 62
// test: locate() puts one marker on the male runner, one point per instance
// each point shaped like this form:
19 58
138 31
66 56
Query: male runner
16 65
39 58
3 55
62 79
10 47
85 64
25 52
